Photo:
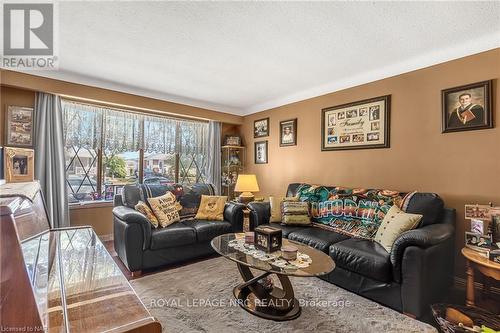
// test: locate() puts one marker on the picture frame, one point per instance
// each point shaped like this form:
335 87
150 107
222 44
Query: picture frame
363 124
260 152
288 133
261 128
478 241
18 164
232 140
19 126
467 107
477 211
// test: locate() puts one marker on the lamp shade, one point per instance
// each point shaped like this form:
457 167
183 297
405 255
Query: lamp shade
246 183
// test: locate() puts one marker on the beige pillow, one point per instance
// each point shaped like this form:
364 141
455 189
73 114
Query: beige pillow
296 220
394 224
143 208
275 203
211 208
165 208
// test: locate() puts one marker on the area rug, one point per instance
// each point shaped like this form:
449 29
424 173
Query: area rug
199 298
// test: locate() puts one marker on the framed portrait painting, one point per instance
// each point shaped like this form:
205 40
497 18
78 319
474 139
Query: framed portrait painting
260 152
18 164
19 126
359 125
288 132
261 128
467 107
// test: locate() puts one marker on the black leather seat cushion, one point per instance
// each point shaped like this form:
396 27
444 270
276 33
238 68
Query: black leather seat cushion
285 229
207 230
176 234
318 238
364 257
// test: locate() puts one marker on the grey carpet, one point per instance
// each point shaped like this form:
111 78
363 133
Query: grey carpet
198 298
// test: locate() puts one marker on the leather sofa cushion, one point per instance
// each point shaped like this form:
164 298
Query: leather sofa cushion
207 230
318 238
285 229
364 257
430 205
174 235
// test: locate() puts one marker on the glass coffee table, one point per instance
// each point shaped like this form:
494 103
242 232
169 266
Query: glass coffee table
265 301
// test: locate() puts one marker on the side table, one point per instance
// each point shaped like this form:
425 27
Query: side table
474 261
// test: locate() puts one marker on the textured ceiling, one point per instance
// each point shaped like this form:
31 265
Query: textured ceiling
244 57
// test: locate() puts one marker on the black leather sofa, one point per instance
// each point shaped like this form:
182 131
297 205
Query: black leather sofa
140 246
417 272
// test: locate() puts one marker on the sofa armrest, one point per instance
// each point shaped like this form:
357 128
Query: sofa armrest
425 237
260 212
130 216
233 213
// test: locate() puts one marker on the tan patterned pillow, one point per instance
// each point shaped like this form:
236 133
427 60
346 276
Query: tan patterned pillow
394 224
211 208
165 208
275 203
143 208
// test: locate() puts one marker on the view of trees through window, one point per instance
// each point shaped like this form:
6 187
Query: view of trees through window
98 167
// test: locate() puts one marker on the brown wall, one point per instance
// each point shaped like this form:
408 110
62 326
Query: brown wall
462 167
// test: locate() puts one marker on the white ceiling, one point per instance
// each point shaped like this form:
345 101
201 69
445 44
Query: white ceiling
244 57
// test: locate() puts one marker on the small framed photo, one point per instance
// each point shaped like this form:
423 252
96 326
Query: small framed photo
19 126
288 133
467 107
261 152
232 140
477 226
18 164
261 128
477 211
475 240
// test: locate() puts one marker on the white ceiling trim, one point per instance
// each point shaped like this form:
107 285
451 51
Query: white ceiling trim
486 43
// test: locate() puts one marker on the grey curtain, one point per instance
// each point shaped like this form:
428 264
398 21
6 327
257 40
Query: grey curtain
214 155
49 157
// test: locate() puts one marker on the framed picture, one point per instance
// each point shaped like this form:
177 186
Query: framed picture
477 211
359 125
475 240
19 164
261 128
288 132
19 126
232 140
260 152
467 107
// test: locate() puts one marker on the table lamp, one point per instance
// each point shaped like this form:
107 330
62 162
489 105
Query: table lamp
246 184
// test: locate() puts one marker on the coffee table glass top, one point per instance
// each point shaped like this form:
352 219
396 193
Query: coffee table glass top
320 265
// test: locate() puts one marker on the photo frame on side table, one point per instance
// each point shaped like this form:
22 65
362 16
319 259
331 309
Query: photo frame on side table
18 164
19 126
467 107
359 125
260 151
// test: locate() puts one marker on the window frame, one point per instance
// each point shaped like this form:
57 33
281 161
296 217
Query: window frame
100 156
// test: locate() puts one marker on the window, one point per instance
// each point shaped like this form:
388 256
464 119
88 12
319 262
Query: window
108 148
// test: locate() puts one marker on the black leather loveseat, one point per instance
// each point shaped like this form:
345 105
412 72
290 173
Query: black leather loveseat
417 272
140 246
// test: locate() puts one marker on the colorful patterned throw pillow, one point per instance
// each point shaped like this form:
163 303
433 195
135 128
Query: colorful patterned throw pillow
143 208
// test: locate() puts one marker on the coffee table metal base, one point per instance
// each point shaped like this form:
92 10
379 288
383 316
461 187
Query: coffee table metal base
277 304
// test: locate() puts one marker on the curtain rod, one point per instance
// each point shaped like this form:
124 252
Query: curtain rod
135 110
